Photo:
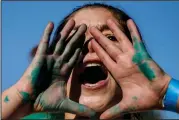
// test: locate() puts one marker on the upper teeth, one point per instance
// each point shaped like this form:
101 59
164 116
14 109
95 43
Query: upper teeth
93 64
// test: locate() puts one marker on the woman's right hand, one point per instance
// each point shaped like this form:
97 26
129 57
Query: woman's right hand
57 67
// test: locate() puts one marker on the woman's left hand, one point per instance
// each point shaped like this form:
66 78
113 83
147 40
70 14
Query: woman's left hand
142 81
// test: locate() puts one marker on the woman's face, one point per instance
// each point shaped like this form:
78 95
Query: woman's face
90 83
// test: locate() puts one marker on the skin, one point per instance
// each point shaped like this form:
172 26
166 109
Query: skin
142 81
93 98
131 69
140 57
54 98
57 67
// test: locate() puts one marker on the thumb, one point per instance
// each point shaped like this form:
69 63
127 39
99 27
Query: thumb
70 106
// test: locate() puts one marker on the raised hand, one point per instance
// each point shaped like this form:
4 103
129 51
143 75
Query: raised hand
142 81
45 79
35 80
61 62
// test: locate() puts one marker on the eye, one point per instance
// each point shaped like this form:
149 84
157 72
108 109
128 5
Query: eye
112 38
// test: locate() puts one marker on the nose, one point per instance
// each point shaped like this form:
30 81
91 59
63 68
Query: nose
87 48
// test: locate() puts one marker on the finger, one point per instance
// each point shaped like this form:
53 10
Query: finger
119 110
72 107
139 47
107 45
42 48
63 35
74 58
75 42
125 43
133 30
113 112
104 57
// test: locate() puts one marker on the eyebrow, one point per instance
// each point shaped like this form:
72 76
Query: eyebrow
100 27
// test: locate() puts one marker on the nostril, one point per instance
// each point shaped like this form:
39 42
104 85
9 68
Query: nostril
85 49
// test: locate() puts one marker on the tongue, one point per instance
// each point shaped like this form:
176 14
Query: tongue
93 75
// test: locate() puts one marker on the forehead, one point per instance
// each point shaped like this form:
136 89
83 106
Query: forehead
92 16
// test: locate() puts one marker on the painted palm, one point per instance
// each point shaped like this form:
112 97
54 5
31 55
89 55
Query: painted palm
142 81
48 74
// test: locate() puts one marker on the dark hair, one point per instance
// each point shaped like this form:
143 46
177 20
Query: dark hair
118 14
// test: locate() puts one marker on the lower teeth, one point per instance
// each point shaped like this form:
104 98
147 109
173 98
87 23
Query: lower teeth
90 85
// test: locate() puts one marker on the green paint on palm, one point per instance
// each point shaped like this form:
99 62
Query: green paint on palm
140 58
6 99
137 45
25 96
34 75
137 57
147 71
81 108
134 98
141 53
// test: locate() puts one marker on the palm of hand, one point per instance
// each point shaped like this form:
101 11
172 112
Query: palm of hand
134 80
60 65
52 98
142 81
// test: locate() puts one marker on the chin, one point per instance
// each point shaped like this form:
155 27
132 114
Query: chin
97 103
93 86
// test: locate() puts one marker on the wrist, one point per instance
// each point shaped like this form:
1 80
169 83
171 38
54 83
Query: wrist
24 90
11 102
166 80
170 99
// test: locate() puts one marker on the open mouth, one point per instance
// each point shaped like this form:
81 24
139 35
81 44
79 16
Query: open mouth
94 75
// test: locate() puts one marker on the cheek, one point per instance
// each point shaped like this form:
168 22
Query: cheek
69 80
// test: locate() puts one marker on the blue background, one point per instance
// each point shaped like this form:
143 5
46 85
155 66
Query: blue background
24 22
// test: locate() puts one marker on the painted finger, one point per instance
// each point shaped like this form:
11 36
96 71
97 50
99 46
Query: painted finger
107 45
43 46
75 42
72 107
119 110
74 58
104 57
63 36
141 56
125 43
133 29
141 52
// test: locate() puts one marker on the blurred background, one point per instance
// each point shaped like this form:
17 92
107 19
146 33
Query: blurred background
23 24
